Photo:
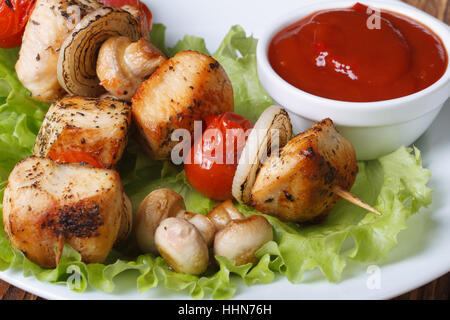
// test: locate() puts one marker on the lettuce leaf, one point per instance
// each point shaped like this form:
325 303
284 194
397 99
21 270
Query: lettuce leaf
158 38
395 184
237 54
20 116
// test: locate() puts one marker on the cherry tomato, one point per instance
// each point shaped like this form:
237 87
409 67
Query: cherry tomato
74 156
14 15
208 172
145 15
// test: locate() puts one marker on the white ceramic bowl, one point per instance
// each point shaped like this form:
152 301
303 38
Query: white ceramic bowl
374 128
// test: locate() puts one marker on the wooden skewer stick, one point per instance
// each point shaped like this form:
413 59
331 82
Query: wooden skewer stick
356 201
60 248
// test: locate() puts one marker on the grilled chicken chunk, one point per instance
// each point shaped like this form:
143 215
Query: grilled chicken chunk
48 26
98 127
298 185
44 201
185 88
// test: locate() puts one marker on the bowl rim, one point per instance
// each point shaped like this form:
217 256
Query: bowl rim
277 24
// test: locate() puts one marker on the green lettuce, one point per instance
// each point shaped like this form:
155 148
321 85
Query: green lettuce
395 184
237 54
158 38
20 116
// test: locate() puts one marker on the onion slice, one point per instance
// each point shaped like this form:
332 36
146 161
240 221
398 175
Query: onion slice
78 56
273 122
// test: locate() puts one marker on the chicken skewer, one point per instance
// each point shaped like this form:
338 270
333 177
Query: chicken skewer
51 22
59 249
98 127
47 204
313 171
65 40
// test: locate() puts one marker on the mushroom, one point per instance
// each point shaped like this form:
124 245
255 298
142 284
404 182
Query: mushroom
182 246
203 224
78 56
126 221
157 206
240 239
222 214
122 65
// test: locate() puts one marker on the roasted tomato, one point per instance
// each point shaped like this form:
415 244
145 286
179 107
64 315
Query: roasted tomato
212 161
74 156
146 17
14 15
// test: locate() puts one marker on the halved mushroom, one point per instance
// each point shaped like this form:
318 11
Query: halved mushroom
122 65
240 239
161 204
157 206
273 124
78 56
182 246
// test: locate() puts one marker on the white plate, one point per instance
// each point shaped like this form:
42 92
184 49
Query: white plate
423 252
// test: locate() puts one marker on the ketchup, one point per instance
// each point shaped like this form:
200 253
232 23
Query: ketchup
334 54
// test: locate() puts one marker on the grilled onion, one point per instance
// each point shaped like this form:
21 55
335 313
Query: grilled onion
78 56
259 145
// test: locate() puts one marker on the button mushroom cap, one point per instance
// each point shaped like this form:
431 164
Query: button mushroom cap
223 213
122 65
203 224
240 239
182 246
157 206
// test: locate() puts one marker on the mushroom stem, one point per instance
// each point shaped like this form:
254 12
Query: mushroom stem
60 248
355 200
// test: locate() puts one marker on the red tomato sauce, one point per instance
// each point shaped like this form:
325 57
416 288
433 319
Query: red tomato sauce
334 54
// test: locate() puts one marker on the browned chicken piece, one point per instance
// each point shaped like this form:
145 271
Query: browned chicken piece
122 65
98 127
47 28
185 88
299 184
46 202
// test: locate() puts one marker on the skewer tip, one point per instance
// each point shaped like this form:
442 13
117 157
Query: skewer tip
355 200
60 248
